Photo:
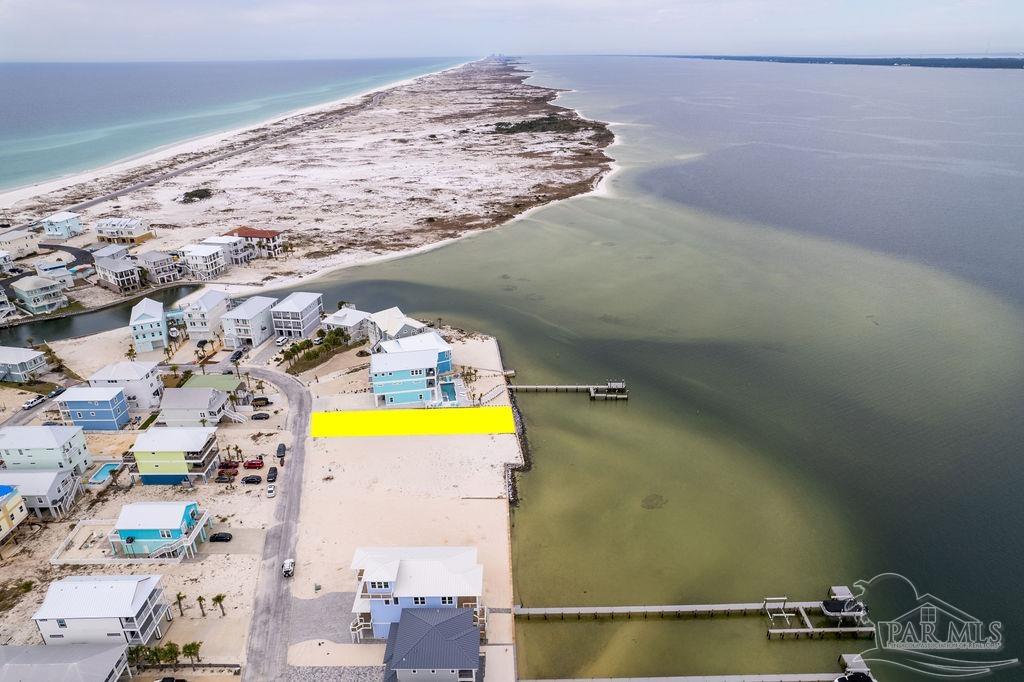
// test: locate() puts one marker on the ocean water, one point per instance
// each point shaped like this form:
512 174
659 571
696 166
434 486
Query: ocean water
58 119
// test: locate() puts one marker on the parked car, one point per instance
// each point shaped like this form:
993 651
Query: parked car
237 355
223 479
253 464
271 474
281 340
53 423
252 480
221 537
228 465
38 399
288 568
230 473
281 449
56 392
260 417
228 371
271 490
260 401
318 340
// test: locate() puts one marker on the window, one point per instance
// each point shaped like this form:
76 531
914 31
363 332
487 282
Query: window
61 623
928 614
419 601
447 601
165 534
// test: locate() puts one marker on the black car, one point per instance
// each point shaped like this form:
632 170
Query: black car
56 392
260 401
237 355
260 416
251 480
222 479
281 449
271 474
221 537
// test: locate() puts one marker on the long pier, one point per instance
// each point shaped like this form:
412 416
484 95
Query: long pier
612 390
678 610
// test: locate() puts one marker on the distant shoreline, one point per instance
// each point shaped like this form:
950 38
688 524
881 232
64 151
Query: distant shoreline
930 62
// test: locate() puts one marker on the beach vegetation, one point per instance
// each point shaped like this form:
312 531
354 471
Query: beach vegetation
305 355
191 652
194 195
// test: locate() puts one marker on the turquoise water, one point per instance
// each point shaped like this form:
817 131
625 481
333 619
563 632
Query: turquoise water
104 472
58 119
449 392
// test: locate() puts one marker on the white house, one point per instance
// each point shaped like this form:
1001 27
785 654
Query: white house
266 243
103 609
36 448
298 315
235 249
353 322
19 243
6 262
115 251
20 365
203 315
6 307
140 381
39 295
203 261
250 323
159 267
196 407
392 324
63 225
120 275
149 325
69 663
56 270
123 230
48 493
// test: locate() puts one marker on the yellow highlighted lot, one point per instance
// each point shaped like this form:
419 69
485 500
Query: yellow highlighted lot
418 422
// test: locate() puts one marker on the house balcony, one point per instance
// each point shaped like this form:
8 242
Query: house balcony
361 628
377 593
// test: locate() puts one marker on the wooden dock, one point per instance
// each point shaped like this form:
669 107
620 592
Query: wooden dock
612 390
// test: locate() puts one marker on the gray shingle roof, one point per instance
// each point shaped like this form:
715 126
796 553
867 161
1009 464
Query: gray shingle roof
433 639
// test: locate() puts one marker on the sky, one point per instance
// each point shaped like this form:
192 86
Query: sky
123 30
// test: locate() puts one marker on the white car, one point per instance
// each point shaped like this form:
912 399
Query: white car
281 340
32 403
271 490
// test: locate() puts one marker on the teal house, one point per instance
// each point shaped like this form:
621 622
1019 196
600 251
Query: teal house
414 371
152 530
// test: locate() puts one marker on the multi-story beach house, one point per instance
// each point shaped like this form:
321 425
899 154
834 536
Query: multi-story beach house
48 493
119 275
94 408
56 270
413 371
63 225
74 662
196 407
151 530
250 323
354 323
12 512
21 365
238 393
140 381
203 315
149 325
19 243
159 267
235 249
6 262
6 307
429 340
392 579
115 251
123 230
168 456
38 295
298 315
39 448
433 644
104 609
392 324
203 261
265 243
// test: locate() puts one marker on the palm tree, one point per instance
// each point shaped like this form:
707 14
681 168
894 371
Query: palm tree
201 600
218 599
168 353
237 373
180 597
174 371
191 651
136 655
170 653
260 385
131 354
153 656
29 341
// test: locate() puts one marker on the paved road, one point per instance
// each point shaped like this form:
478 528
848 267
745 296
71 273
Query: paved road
81 257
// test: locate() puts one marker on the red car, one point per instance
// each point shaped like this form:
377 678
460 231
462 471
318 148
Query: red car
253 464
228 465
227 472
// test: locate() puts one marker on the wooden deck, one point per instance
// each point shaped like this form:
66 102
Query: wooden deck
741 609
612 390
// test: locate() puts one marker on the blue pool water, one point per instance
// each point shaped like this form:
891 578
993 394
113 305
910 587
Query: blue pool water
104 472
449 392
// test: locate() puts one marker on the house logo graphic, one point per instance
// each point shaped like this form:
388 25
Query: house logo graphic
929 636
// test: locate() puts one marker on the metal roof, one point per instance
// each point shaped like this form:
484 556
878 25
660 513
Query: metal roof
30 437
110 251
33 482
60 217
115 264
32 282
65 663
297 302
11 355
209 300
200 249
146 310
96 596
430 638
250 308
423 571
392 320
173 439
89 393
426 341
346 317
126 370
189 398
153 256
397 362
152 515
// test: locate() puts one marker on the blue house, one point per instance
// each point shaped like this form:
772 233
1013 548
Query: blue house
150 530
414 371
395 578
63 225
94 408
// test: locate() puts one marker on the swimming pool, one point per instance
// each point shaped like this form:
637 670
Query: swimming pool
104 472
448 390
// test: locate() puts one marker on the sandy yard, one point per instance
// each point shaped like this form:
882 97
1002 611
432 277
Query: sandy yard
11 400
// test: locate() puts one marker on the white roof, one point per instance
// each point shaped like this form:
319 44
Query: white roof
60 217
250 308
79 393
29 437
115 264
152 515
422 571
426 341
200 250
32 282
152 256
346 317
223 240
297 302
204 399
126 370
209 300
118 222
65 663
11 355
146 310
403 360
110 251
16 234
97 596
393 319
173 439
33 482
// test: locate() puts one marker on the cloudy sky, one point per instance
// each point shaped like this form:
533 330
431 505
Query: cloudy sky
100 30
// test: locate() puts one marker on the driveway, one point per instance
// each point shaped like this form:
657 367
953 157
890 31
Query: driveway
81 257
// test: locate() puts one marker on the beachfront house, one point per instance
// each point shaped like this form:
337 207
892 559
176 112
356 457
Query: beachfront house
48 493
433 644
140 381
265 243
196 407
413 371
151 530
392 324
238 393
103 408
168 456
392 579
203 315
63 225
235 249
68 663
38 295
21 365
149 325
119 275
6 307
159 267
36 448
12 512
354 323
56 270
429 340
298 315
123 230
6 262
203 261
250 323
19 243
103 609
